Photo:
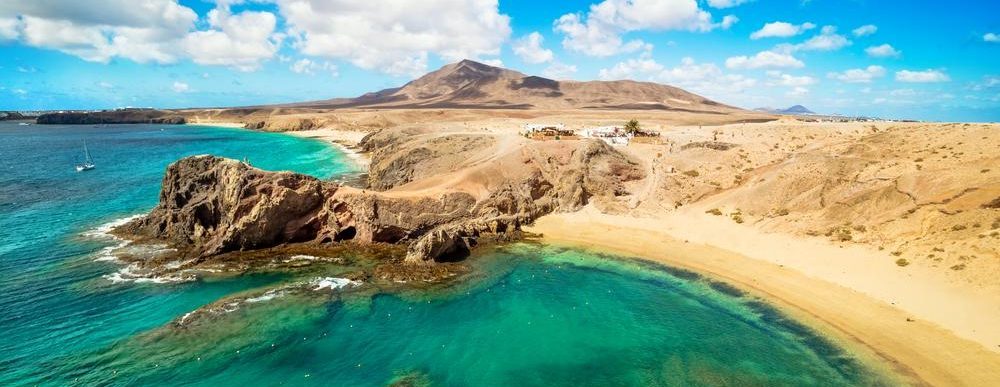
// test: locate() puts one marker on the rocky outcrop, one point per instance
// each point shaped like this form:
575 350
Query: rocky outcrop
12 116
127 116
210 205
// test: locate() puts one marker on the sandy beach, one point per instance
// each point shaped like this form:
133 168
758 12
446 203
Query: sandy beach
940 333
219 124
345 140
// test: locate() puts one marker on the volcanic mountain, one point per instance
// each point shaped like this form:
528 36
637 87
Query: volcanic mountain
794 110
474 85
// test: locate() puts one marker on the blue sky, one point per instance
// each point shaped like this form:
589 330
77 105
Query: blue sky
921 59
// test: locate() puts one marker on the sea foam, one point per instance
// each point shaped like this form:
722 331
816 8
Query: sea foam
104 232
333 283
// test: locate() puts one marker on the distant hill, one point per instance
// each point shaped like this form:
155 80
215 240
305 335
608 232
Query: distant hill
470 84
794 110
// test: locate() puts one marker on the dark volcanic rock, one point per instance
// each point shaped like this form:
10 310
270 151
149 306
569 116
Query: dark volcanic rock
12 116
212 205
128 116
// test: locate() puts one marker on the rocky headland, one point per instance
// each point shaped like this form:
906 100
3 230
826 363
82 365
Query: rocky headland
126 116
210 206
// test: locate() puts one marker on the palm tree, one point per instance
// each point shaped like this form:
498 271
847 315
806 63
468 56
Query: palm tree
632 127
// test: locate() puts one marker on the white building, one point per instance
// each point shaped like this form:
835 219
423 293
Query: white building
613 135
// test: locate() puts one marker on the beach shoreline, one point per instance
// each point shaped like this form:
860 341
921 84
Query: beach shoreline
220 124
907 343
344 140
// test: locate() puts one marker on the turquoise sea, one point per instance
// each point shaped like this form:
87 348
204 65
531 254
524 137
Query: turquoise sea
531 315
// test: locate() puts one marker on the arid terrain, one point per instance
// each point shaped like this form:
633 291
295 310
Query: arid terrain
881 231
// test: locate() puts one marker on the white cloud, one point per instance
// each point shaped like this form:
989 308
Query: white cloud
865 75
495 62
827 40
864 30
105 85
20 91
560 71
160 31
728 21
632 69
989 82
240 41
599 32
180 87
925 76
778 78
396 38
28 69
798 91
100 30
9 28
764 59
991 37
310 67
883 51
704 78
726 3
781 30
529 49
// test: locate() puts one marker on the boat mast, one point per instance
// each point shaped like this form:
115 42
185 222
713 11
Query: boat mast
86 153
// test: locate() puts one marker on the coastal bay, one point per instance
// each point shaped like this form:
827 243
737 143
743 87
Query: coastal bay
700 244
934 345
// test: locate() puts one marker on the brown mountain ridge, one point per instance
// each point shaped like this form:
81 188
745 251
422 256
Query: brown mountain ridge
470 84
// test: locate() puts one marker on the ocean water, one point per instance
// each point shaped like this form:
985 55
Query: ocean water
530 314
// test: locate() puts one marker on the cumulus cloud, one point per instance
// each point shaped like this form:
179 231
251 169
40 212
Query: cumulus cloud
180 87
777 78
704 78
100 30
529 49
599 32
495 62
883 51
827 40
396 38
726 3
925 76
865 75
764 59
728 21
159 31
990 37
781 30
240 41
310 67
864 30
560 71
9 28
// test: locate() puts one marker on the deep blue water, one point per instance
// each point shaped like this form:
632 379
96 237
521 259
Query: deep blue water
534 315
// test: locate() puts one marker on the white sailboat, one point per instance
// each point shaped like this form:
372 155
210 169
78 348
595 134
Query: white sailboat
88 163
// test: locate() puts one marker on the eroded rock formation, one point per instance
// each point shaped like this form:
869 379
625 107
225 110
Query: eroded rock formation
211 205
